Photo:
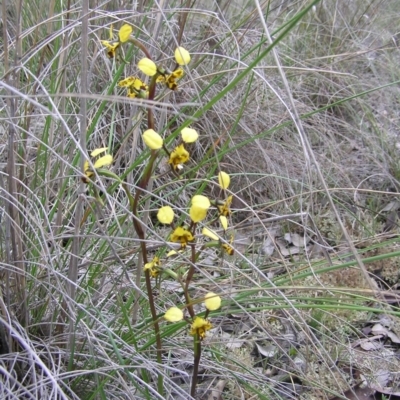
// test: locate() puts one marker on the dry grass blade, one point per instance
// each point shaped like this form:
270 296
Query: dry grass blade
236 251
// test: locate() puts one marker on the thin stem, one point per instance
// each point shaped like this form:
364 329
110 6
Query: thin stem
141 46
196 362
141 235
188 280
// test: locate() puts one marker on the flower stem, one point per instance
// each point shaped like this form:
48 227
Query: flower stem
188 279
196 362
141 234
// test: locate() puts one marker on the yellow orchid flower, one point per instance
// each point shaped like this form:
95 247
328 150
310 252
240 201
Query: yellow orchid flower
103 161
224 209
112 45
135 87
153 266
182 236
178 156
199 327
170 78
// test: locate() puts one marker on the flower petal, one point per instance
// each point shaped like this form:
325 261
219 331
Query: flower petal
189 135
86 169
152 139
129 81
174 314
224 180
96 152
103 161
147 66
209 233
212 301
165 215
201 201
197 213
224 222
178 156
182 56
124 33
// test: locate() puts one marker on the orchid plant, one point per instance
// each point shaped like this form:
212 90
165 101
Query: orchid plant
200 215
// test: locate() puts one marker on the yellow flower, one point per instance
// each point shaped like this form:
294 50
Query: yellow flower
112 45
182 236
153 266
179 156
152 139
212 301
199 327
182 56
209 233
170 79
189 135
124 33
228 249
224 222
224 180
224 209
199 208
174 314
103 161
165 215
147 66
136 88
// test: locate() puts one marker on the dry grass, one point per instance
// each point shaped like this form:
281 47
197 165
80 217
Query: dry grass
302 305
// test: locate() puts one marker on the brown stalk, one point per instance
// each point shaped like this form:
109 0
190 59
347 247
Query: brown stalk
137 223
196 363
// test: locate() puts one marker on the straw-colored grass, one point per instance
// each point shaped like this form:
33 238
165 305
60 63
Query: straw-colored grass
298 102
